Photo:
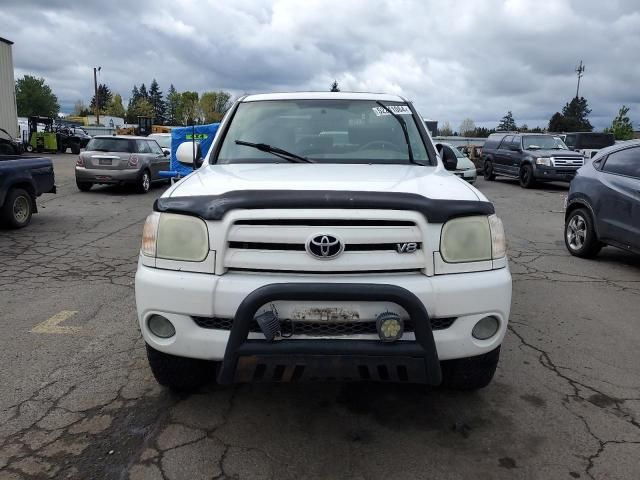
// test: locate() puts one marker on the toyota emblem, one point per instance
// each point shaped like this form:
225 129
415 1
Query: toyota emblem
324 246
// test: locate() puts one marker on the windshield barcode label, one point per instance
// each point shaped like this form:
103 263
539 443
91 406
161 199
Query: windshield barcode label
397 109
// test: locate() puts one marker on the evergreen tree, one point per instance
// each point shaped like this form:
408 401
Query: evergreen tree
104 98
135 95
621 127
573 117
143 92
155 98
334 86
172 106
507 123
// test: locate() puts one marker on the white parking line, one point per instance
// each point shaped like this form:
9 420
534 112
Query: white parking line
52 324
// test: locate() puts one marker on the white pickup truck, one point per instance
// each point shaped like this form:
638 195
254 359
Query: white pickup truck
322 238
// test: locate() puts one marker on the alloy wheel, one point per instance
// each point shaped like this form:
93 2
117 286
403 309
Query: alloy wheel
576 232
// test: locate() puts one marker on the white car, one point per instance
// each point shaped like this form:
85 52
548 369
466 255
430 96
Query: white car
164 140
291 255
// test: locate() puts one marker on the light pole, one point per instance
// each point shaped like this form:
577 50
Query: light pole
95 87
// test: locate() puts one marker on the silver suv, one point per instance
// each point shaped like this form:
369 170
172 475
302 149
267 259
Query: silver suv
121 160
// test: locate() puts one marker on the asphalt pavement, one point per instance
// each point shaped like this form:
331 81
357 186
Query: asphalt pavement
77 399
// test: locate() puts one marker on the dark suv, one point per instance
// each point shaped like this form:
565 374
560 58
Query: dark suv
529 157
603 206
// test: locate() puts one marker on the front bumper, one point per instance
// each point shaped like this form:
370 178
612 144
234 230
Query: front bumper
554 174
180 296
97 175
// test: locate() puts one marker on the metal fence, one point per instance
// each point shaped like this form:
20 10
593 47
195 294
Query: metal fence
99 130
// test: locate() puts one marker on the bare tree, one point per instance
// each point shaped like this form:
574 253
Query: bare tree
467 127
445 130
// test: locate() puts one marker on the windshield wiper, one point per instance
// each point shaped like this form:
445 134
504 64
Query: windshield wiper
405 130
278 152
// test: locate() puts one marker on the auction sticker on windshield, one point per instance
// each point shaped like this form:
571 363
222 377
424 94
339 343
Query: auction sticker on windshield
397 109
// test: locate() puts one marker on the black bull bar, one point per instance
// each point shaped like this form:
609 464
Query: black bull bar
328 359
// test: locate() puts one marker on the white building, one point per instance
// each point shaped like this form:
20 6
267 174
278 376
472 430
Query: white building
8 110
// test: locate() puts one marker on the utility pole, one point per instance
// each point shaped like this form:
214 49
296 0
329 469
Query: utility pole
95 87
579 72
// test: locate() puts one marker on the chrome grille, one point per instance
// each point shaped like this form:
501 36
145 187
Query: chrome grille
576 162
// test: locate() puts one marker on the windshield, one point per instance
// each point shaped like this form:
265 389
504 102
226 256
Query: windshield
163 140
560 143
539 142
595 141
111 145
323 131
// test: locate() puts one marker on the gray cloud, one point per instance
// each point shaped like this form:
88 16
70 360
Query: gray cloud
454 59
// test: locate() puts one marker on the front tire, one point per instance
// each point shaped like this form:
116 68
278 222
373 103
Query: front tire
470 373
17 209
179 373
488 172
527 180
75 148
144 182
580 235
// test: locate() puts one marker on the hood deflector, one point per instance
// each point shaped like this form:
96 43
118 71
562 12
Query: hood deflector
214 207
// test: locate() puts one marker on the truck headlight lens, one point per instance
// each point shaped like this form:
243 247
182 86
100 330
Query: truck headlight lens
498 239
546 161
466 239
175 237
473 239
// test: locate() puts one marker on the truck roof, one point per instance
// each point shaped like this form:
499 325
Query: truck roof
385 97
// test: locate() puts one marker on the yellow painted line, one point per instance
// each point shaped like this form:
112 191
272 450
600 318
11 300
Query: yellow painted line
52 325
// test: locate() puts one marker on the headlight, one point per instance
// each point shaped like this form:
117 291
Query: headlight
466 239
546 161
175 237
472 239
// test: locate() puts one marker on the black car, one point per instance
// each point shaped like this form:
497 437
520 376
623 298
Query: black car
588 143
603 206
529 157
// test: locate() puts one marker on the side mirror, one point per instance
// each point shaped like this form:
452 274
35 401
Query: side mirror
185 156
166 152
450 163
515 148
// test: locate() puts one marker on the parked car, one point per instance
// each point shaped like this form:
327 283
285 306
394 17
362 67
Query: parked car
603 206
364 259
81 134
464 167
8 144
22 180
119 160
164 140
588 143
529 157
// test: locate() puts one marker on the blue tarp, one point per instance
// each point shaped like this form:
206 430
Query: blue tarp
204 135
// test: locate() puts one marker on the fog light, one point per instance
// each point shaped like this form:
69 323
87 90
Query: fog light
485 328
390 326
269 324
161 327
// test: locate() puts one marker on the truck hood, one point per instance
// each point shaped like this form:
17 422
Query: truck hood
431 182
554 153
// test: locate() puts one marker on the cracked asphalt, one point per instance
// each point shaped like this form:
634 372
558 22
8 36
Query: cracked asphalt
80 403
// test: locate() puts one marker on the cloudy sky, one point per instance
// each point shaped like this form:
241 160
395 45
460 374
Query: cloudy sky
454 59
